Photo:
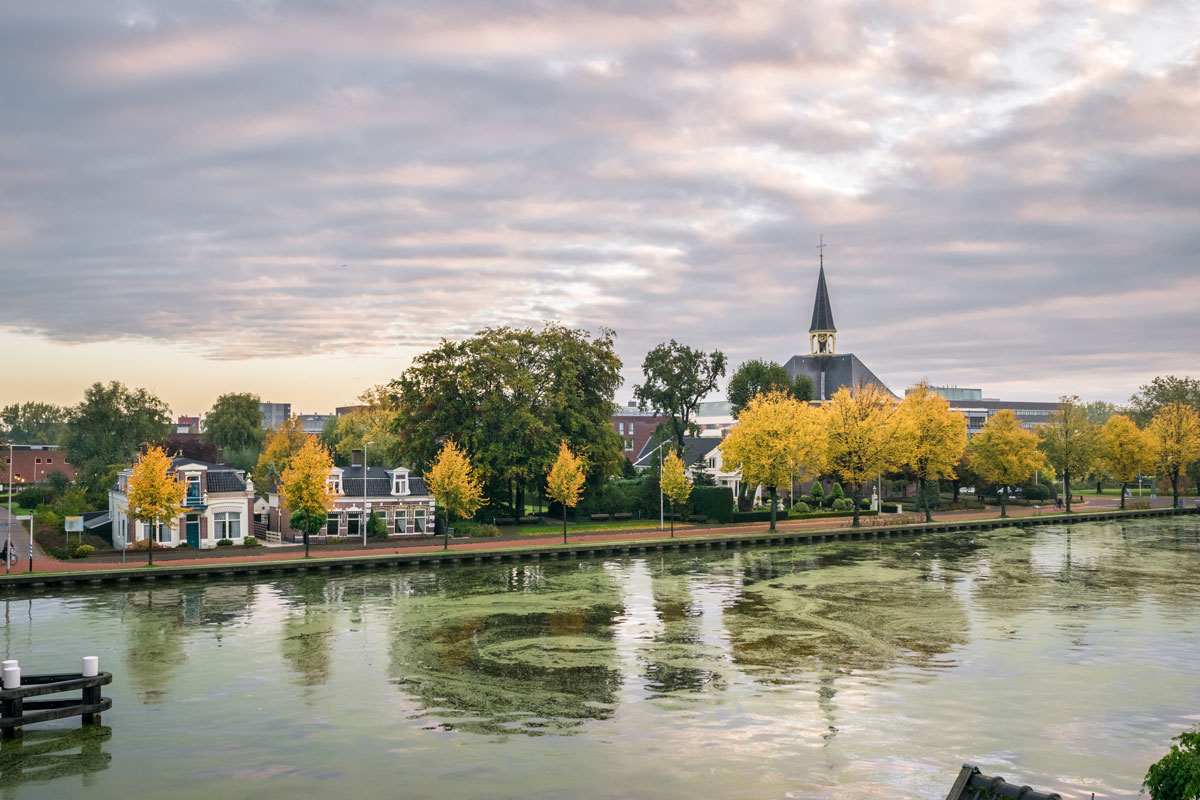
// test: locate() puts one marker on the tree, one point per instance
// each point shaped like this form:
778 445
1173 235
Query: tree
453 484
1124 451
1005 453
155 495
757 377
1162 391
33 423
508 397
1099 412
777 438
281 446
1176 776
565 480
677 379
305 489
106 429
234 423
934 438
1069 441
864 436
349 432
1175 435
675 483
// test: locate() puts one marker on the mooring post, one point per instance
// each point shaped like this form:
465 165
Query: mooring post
13 708
91 694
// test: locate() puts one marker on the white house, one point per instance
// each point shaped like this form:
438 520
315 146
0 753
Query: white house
220 505
401 499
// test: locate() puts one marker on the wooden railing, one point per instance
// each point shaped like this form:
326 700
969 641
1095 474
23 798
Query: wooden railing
17 710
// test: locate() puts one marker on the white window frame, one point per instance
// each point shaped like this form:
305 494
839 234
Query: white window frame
400 484
420 521
400 523
223 522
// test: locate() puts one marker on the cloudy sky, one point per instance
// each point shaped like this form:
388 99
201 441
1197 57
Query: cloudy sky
294 198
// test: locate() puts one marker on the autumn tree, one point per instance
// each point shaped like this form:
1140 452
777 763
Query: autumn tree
106 429
934 438
1124 451
564 481
305 489
677 379
1175 434
155 495
1005 453
1069 441
675 484
777 438
758 377
453 483
863 436
349 432
281 446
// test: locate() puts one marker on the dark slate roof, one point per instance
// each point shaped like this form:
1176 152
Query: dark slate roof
830 373
224 480
822 319
970 784
379 483
694 449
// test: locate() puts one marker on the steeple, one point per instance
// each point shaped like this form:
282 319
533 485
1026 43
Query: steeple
822 333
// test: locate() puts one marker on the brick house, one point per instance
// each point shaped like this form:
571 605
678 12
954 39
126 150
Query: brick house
635 427
34 463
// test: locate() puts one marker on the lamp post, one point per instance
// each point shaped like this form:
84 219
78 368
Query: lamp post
661 518
366 518
8 522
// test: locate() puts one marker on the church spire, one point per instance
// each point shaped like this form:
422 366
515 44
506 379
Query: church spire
822 333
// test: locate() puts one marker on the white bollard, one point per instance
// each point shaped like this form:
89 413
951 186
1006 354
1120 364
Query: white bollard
91 666
12 662
12 677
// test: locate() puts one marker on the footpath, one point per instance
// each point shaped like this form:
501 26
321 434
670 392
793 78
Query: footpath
137 559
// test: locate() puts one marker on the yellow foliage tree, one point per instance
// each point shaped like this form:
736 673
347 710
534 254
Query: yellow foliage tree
777 438
454 484
864 436
564 481
306 490
1175 433
1069 441
1005 453
155 494
674 483
281 446
934 438
1125 451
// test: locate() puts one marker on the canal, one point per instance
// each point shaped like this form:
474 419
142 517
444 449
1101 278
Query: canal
1063 657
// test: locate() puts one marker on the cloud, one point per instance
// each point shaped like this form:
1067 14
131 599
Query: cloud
263 179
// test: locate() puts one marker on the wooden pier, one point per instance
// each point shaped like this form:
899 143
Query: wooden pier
17 710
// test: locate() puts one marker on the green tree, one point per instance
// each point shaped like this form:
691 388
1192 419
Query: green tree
677 379
675 483
1099 412
349 432
1069 441
564 481
106 429
508 397
1176 776
756 377
155 494
1163 391
1005 453
235 423
33 423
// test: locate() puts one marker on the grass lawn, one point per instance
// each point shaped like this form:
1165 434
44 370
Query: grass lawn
596 527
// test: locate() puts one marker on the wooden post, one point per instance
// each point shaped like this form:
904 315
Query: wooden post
91 694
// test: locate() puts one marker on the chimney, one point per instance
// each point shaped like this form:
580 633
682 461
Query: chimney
220 454
356 458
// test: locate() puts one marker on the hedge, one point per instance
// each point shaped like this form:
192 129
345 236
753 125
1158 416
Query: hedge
713 502
765 516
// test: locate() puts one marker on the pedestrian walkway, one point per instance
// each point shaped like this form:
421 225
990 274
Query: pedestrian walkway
13 533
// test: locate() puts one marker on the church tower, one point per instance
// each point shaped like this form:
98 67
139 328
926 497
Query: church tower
822 334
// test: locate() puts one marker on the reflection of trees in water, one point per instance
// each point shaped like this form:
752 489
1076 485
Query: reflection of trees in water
523 650
44 755
308 627
679 659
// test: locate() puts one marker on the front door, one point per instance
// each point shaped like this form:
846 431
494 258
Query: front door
192 529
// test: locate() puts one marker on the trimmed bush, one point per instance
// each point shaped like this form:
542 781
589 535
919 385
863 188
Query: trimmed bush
1038 492
250 541
713 502
865 504
834 514
888 508
818 494
836 492
801 508
83 551
839 504
486 531
33 497
754 516
224 542
333 540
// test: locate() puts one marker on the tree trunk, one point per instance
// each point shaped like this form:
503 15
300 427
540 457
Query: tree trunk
1099 490
1175 489
672 519
925 499
564 506
1003 508
857 497
956 483
774 499
1124 488
307 526
520 504
1067 488
149 539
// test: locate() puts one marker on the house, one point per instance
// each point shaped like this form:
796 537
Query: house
400 498
34 463
220 505
701 454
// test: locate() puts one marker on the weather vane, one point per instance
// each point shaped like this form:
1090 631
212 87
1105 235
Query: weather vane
821 247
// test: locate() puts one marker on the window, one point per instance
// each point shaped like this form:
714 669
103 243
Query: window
37 461
621 428
419 520
353 523
401 526
334 484
400 484
49 460
193 489
164 533
229 524
331 525
629 445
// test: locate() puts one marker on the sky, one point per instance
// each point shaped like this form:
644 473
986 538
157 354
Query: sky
295 198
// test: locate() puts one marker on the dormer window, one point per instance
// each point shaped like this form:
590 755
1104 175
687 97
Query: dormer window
399 484
334 484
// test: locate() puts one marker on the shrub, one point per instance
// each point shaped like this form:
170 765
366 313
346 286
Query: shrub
60 553
485 531
888 508
376 527
713 502
883 521
250 541
1137 505
334 539
1176 776
818 494
754 516
34 496
839 504
801 508
224 542
83 551
1038 492
865 504
145 544
836 493
45 516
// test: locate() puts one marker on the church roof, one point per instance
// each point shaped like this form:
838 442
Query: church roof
822 319
832 372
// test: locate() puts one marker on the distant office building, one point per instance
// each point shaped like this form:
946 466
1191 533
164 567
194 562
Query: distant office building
275 414
313 423
635 427
343 411
714 418
187 425
978 409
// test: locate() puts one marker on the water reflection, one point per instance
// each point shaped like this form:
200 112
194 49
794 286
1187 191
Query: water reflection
307 634
48 755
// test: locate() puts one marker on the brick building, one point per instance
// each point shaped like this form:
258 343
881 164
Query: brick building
34 463
635 427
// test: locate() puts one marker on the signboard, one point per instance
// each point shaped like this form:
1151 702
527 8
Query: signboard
74 524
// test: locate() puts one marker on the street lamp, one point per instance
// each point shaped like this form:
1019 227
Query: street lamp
661 524
366 519
8 522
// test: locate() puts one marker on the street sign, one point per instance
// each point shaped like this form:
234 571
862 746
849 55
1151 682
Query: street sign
74 524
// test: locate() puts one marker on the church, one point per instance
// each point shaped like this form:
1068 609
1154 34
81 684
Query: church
824 366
